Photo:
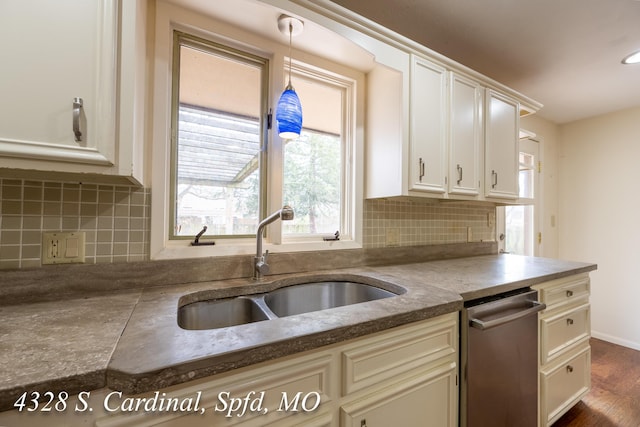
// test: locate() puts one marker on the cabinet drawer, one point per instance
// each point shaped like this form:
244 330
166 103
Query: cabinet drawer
564 291
560 331
385 357
564 384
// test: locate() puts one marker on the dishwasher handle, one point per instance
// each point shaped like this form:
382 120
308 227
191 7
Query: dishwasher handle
488 324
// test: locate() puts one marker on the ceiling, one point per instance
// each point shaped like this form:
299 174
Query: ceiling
565 54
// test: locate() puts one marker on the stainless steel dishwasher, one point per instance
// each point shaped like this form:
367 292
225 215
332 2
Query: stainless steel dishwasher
499 361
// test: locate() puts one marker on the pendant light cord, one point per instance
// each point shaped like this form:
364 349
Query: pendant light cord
289 86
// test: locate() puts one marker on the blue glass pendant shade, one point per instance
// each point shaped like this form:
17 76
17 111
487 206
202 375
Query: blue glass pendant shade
289 114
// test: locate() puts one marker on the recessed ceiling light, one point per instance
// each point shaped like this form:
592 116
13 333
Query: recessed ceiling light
634 58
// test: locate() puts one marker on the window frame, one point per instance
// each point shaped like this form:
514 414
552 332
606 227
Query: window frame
182 38
170 17
347 144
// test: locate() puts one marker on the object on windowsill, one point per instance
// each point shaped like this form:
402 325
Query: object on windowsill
332 238
197 242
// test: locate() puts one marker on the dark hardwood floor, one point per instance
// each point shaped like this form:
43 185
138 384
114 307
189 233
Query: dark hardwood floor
614 399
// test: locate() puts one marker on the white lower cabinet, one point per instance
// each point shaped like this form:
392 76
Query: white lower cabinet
565 354
403 376
427 399
406 378
564 383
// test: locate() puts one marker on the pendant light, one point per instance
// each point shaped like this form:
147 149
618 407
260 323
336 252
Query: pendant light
289 110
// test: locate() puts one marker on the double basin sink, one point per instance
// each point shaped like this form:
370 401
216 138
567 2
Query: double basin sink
282 302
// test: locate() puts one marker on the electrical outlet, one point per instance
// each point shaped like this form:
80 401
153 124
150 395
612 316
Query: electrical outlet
392 237
63 248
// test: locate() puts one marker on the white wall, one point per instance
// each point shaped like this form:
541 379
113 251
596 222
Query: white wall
547 133
599 212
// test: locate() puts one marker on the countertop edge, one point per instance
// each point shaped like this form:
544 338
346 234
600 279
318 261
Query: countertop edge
135 383
513 285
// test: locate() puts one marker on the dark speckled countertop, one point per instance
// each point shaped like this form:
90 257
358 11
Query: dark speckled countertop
129 340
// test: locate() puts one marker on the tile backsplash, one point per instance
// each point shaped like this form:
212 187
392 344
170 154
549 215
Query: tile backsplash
415 222
116 221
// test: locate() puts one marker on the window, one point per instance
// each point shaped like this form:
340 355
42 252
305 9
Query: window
218 105
316 167
226 168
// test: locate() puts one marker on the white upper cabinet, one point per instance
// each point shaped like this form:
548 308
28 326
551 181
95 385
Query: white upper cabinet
427 126
465 135
501 146
60 104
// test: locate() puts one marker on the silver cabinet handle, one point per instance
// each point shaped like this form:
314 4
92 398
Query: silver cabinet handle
421 165
494 179
459 174
77 106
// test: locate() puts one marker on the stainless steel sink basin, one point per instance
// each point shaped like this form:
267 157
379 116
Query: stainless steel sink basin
282 302
213 314
309 297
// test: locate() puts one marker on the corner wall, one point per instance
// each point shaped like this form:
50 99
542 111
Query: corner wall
599 175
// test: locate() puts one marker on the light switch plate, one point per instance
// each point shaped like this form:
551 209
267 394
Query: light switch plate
63 248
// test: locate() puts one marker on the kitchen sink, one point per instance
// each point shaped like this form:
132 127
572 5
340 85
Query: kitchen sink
213 314
282 302
317 296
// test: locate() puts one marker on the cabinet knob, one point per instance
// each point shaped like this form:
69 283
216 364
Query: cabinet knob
569 294
363 422
569 321
569 369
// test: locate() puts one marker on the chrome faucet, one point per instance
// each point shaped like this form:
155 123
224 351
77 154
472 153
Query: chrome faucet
260 266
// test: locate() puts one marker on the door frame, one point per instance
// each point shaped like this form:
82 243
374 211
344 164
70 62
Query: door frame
531 144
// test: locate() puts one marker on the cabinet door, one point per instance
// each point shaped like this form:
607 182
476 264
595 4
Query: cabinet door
465 130
53 53
427 126
426 400
501 146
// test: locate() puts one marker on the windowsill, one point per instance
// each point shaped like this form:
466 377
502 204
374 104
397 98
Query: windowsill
178 249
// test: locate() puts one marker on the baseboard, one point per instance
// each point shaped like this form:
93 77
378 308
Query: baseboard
615 340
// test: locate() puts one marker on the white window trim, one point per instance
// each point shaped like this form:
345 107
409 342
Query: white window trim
170 17
349 153
536 202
